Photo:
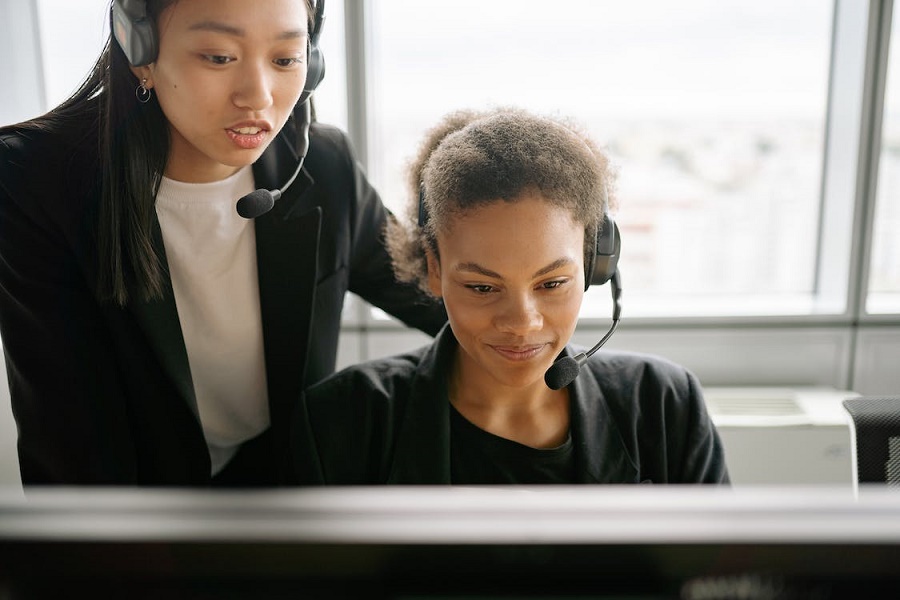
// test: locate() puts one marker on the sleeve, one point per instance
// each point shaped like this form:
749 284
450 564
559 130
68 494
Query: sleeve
371 273
703 457
304 466
63 379
343 430
334 436
658 408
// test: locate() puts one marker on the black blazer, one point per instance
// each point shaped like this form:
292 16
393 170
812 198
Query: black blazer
635 418
103 394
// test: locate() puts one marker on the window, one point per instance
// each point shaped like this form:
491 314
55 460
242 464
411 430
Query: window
72 35
758 203
714 114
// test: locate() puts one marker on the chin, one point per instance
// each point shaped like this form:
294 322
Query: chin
520 377
244 158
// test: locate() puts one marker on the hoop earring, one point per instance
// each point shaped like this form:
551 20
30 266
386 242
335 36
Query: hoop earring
142 92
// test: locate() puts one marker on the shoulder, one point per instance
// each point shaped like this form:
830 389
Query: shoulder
331 160
639 368
647 380
380 384
328 136
328 146
659 411
47 161
23 150
57 140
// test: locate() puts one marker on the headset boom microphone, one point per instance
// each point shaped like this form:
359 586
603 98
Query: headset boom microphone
136 34
261 201
565 370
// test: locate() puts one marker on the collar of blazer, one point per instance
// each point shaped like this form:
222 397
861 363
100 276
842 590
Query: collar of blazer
422 450
287 239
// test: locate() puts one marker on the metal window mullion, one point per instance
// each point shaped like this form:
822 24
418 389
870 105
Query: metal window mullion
870 153
356 44
844 143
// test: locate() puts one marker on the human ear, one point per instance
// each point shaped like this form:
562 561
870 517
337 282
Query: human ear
434 274
144 75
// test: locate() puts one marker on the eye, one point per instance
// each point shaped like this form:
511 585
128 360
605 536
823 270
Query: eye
555 284
289 62
481 288
218 59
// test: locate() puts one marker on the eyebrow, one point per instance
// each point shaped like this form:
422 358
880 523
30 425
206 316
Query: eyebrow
472 267
219 27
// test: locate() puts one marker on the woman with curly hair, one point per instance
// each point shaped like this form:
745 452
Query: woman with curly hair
505 210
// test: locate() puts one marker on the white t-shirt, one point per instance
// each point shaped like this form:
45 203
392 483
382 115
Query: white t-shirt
211 252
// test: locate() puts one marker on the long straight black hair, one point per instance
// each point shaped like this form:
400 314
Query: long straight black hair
133 152
133 148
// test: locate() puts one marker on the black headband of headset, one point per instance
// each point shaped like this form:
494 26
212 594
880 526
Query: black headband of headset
135 32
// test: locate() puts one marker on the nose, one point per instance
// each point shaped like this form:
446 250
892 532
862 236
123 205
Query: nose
519 315
253 87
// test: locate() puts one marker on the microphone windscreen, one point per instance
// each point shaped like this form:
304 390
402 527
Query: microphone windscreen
255 204
562 373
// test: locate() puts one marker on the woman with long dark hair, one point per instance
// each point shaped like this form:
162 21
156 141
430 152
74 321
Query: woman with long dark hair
153 335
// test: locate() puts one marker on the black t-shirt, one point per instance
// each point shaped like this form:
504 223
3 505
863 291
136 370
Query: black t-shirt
479 457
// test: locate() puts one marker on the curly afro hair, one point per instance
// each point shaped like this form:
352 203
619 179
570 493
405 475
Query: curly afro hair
474 158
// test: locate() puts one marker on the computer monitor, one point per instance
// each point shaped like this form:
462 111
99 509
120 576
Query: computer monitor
686 542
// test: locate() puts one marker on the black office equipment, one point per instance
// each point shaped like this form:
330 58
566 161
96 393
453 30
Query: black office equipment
876 431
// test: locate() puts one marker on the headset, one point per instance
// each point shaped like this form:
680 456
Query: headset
603 268
135 31
601 265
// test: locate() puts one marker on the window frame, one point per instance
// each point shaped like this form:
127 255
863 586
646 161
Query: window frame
849 349
738 349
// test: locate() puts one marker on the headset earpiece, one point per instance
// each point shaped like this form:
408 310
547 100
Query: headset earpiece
135 31
315 67
315 70
602 264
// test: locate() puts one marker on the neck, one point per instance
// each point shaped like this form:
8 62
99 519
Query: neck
532 414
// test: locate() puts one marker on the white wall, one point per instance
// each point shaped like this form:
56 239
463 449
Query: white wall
20 61
863 358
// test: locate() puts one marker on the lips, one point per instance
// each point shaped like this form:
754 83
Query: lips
519 353
248 136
